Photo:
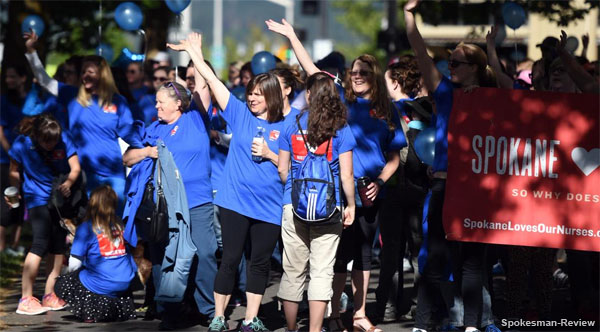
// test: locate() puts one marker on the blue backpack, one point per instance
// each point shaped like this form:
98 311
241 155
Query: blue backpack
313 188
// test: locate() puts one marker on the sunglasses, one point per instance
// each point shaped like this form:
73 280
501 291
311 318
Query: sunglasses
455 63
171 85
363 73
160 79
189 78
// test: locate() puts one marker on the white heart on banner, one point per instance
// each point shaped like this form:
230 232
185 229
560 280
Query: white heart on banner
586 161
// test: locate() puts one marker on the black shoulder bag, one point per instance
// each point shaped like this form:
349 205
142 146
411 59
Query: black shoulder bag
152 219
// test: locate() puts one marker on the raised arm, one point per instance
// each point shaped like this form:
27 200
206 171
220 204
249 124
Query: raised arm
431 76
36 65
193 45
585 41
285 29
584 81
201 92
504 81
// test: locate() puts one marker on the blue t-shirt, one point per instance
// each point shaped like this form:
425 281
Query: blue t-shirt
10 116
293 142
250 188
108 267
144 108
187 141
35 163
400 105
95 130
373 137
218 153
443 97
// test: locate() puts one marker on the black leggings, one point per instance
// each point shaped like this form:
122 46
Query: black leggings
467 259
357 241
263 237
48 236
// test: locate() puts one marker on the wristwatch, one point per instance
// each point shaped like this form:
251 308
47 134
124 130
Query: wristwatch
380 182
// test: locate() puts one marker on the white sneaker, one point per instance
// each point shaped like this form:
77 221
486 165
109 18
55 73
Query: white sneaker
406 266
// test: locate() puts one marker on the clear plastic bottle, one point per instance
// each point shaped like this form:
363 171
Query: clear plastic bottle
258 138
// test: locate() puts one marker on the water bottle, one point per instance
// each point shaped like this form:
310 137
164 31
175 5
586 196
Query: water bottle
258 138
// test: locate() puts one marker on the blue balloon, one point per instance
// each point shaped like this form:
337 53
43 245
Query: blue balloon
177 6
105 51
262 62
129 16
34 23
513 14
442 67
425 145
239 92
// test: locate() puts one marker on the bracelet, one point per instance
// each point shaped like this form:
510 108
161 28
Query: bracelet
380 182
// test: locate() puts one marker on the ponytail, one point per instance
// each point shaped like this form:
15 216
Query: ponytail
41 128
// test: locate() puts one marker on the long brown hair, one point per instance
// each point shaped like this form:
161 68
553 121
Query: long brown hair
268 84
101 210
327 113
379 95
106 83
41 128
475 55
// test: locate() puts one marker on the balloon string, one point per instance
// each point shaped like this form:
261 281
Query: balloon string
143 33
100 30
516 54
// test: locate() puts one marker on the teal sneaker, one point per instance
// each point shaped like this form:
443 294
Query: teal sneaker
256 325
218 324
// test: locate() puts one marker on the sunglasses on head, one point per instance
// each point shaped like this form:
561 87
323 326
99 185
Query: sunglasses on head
456 63
363 73
161 79
171 85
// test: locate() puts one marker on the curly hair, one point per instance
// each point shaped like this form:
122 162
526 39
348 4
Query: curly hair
406 73
326 112
380 101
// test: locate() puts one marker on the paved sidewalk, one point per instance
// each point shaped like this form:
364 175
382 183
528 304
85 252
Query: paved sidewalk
65 321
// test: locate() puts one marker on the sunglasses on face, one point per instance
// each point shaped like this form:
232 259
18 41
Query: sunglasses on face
160 79
362 73
455 63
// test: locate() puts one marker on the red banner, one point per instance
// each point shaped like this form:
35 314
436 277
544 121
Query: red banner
524 169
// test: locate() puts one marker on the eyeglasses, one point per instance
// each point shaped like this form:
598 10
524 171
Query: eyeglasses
171 85
160 79
455 63
363 73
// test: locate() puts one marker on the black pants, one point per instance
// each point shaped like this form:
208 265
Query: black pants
263 237
48 236
357 241
466 258
400 221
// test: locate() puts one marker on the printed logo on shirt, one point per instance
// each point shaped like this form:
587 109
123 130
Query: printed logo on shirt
215 111
58 154
112 109
299 149
274 135
174 130
114 248
372 113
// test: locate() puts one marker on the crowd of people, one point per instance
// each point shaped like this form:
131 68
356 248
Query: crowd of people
225 157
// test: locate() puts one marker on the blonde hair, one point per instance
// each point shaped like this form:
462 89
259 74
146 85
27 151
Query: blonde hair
101 211
475 55
106 83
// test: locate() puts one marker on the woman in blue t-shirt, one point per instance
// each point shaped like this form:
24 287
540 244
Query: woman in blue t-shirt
100 265
379 138
306 246
41 153
468 69
184 133
97 117
251 193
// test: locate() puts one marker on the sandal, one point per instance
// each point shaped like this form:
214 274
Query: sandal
358 328
336 325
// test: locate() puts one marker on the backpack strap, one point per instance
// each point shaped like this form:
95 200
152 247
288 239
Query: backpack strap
306 142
